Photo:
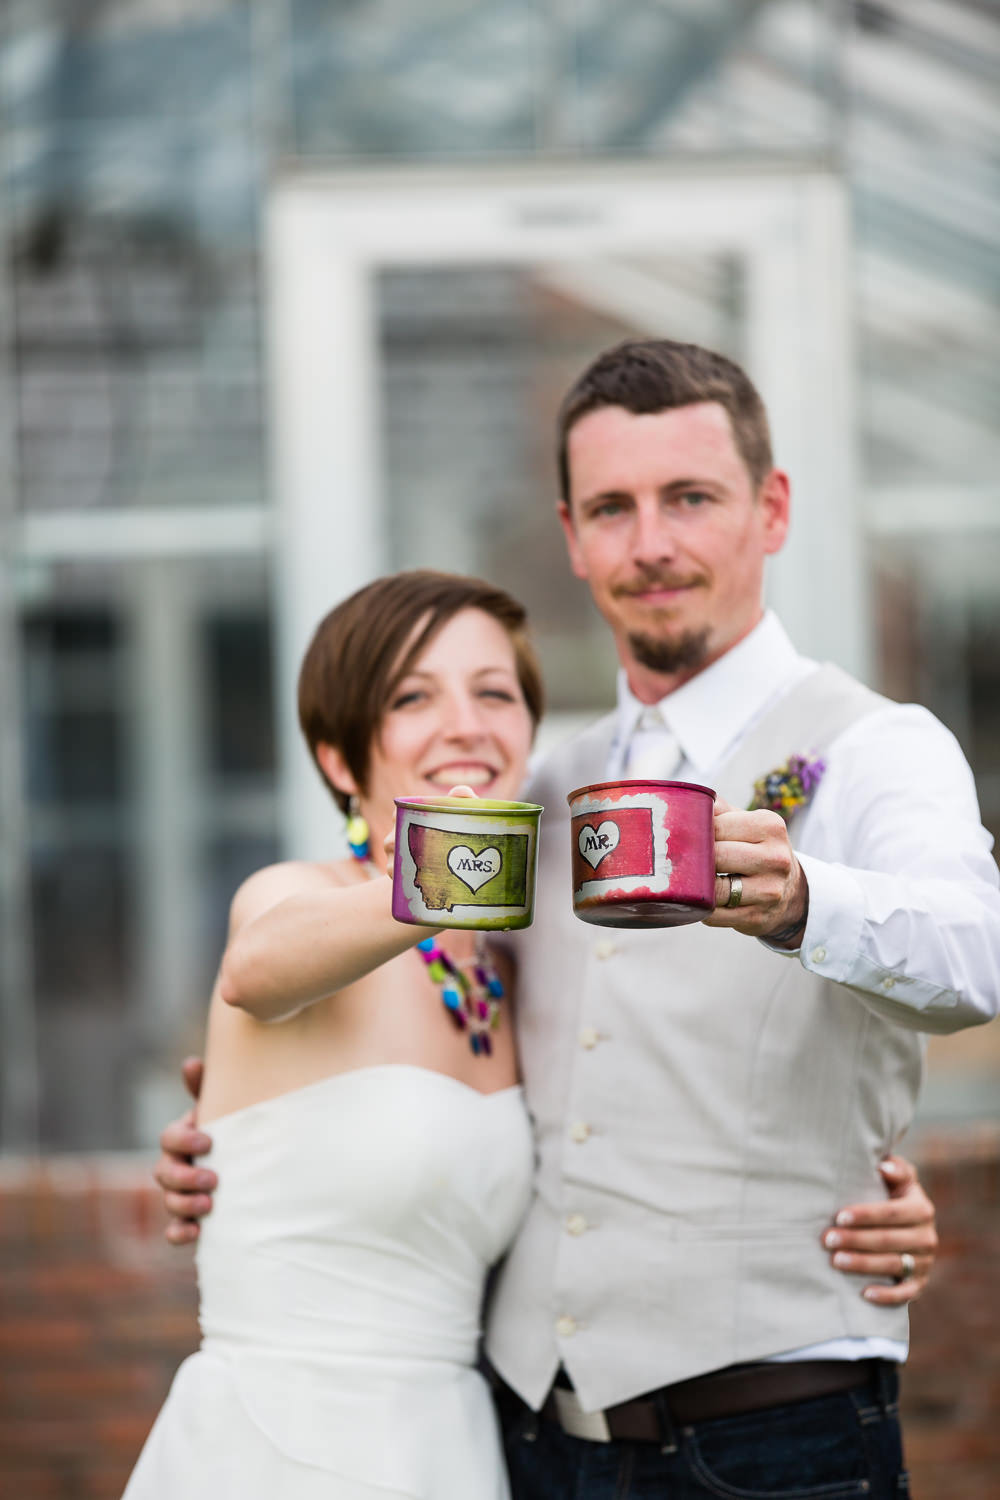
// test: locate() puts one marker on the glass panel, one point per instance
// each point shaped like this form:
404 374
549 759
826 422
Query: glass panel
130 188
73 729
939 637
80 905
148 713
718 76
475 362
502 77
239 815
400 80
138 376
81 850
239 696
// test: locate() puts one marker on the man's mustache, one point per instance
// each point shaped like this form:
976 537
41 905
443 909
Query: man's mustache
656 579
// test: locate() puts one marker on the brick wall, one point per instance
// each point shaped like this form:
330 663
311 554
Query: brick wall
951 1385
96 1312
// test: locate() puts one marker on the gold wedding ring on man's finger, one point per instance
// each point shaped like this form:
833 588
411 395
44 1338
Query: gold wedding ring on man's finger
735 890
908 1264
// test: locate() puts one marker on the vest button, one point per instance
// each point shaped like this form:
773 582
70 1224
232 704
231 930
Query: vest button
579 1131
565 1327
589 1037
576 1224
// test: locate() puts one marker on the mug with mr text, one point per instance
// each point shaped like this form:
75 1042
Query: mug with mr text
643 852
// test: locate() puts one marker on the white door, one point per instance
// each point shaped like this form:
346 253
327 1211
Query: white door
424 325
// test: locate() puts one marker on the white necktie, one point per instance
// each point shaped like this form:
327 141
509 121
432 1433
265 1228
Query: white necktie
654 753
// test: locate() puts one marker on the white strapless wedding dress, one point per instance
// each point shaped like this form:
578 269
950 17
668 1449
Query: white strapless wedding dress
341 1275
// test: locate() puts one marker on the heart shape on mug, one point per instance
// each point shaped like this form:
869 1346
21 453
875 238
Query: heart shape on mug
474 870
597 843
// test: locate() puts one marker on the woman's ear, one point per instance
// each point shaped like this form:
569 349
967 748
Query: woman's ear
335 769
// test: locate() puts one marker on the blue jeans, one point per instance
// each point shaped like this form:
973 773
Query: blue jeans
829 1448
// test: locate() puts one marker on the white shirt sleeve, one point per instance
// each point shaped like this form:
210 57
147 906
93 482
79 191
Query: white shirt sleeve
904 894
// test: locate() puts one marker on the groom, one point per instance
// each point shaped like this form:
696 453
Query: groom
665 1323
703 1103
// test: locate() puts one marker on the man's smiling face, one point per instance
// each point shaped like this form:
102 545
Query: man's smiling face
666 527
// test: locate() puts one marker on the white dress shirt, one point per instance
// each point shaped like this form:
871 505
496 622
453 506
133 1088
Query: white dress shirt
904 895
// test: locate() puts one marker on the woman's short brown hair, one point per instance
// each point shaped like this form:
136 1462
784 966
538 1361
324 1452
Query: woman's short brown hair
366 645
653 375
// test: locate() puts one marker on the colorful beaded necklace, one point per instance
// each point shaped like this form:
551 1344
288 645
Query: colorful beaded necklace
471 992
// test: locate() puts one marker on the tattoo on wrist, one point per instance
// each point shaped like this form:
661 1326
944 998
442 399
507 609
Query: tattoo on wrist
787 933
795 929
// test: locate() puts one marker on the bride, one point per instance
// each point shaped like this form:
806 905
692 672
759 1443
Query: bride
373 1166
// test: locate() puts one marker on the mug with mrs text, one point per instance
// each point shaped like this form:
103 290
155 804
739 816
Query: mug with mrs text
465 862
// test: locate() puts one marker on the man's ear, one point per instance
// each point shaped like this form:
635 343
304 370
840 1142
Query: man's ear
334 768
576 560
774 499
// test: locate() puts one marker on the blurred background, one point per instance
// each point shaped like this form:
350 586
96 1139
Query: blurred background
289 292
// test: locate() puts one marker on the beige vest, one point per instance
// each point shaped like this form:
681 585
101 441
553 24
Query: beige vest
691 1156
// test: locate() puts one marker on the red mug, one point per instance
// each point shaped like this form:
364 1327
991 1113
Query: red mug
643 852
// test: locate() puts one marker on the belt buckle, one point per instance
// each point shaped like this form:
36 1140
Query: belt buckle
592 1425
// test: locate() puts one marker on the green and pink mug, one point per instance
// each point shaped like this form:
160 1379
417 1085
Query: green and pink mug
465 862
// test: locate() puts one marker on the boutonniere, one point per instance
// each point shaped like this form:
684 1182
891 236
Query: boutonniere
789 787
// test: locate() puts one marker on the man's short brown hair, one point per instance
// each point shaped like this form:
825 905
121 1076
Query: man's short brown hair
366 645
651 375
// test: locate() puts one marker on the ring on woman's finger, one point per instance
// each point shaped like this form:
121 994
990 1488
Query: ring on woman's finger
908 1264
735 890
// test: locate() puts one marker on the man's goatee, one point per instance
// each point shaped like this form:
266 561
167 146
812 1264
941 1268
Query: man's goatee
684 653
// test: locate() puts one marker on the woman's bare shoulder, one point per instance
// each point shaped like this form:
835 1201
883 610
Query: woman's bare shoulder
291 877
347 872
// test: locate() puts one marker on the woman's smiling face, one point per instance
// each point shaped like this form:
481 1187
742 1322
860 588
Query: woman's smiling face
458 717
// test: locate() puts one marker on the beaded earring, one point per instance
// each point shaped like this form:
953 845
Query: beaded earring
357 833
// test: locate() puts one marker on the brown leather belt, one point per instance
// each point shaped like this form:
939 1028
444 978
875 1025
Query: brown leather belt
727 1393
